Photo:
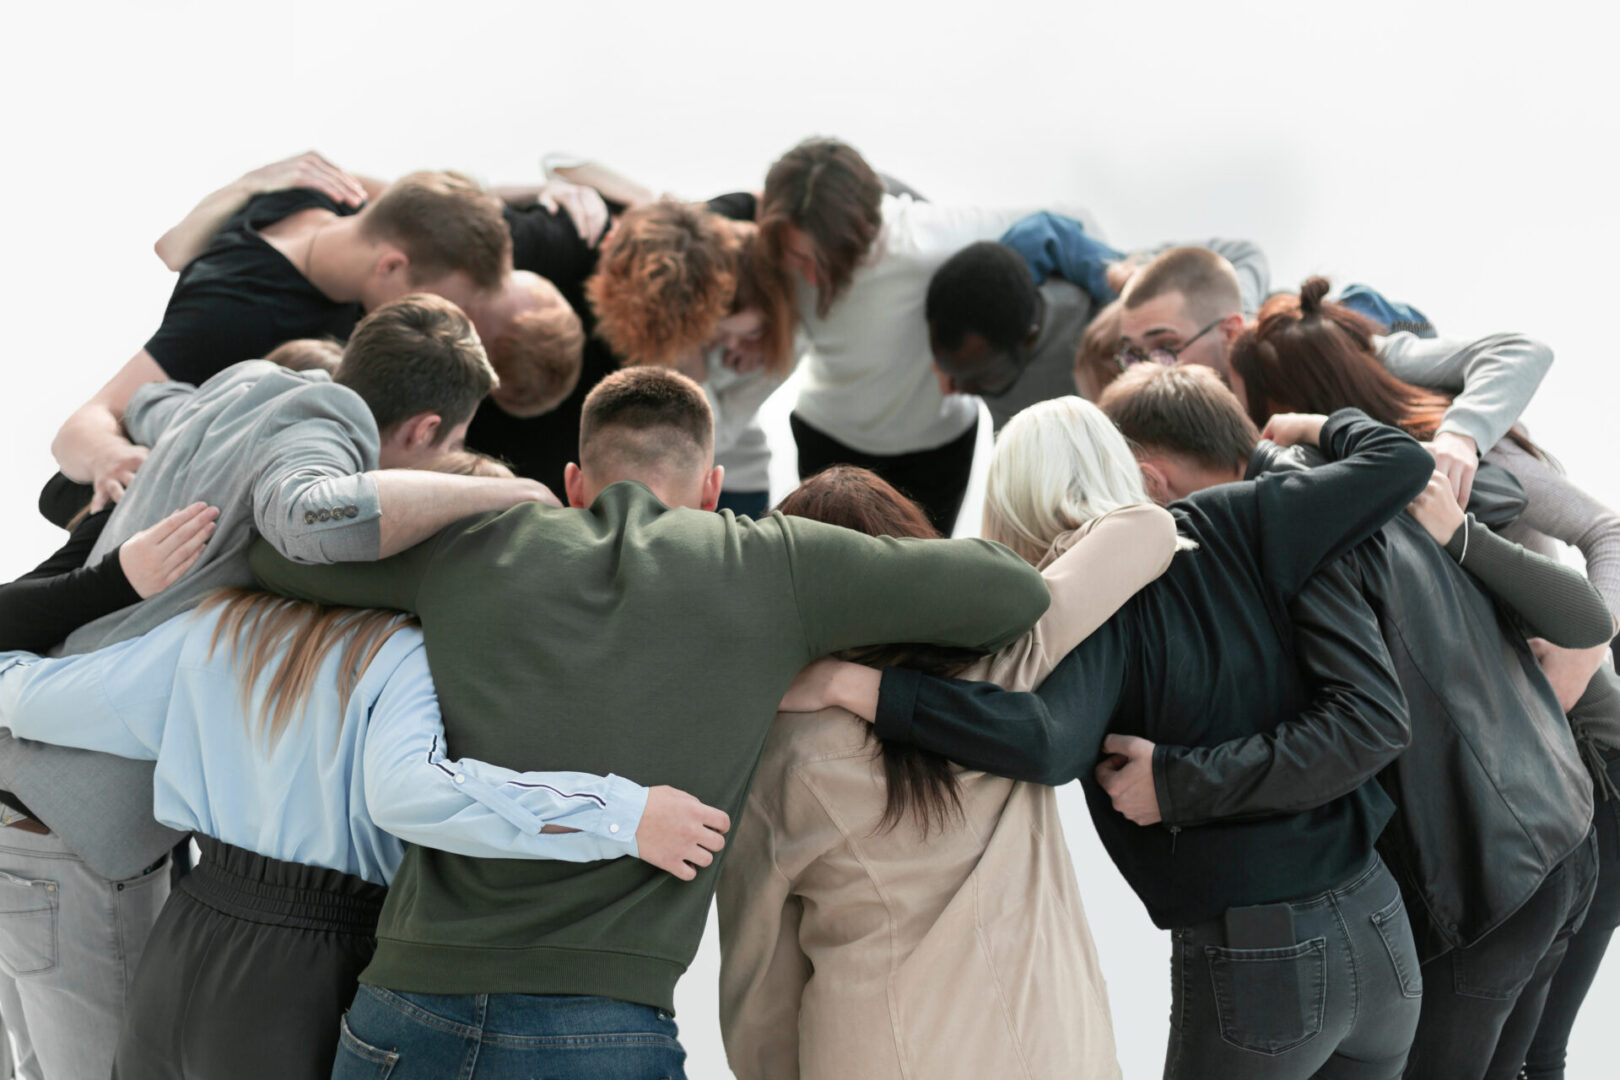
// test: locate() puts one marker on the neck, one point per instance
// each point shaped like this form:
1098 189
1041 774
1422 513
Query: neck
338 258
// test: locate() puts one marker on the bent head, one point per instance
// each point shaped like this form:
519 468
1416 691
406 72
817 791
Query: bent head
307 354
983 318
920 784
666 277
1057 465
535 342
1183 307
820 213
419 366
437 232
1185 425
650 425
1308 354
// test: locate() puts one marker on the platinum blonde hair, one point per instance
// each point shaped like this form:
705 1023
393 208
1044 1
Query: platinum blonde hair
1057 465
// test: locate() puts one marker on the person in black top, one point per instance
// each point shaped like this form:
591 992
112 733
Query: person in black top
1491 841
1292 949
293 264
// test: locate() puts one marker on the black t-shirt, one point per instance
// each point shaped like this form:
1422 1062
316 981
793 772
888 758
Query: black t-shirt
241 297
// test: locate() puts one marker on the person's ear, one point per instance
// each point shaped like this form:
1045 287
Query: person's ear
391 264
711 487
421 431
1231 327
574 486
1155 481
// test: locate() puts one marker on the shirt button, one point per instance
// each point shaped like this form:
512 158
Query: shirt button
613 828
324 514
351 511
309 517
460 779
337 513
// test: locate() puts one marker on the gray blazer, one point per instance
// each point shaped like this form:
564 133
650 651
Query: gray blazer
281 454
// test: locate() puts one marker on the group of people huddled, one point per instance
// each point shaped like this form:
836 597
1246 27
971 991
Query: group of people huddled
421 571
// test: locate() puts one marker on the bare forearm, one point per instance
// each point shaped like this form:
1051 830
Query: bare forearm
186 240
92 432
415 505
611 185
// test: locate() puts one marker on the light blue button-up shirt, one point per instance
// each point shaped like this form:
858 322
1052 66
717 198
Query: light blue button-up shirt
342 789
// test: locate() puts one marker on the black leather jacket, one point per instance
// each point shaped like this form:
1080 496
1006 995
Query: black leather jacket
1491 794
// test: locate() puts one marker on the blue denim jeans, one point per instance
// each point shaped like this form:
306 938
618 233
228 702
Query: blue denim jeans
1341 1002
391 1035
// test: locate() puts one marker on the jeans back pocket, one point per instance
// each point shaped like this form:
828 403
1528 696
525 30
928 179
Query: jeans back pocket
1394 928
359 1060
1270 1001
27 925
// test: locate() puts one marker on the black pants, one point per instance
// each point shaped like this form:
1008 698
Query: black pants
248 971
936 479
1341 1002
1572 981
1482 1003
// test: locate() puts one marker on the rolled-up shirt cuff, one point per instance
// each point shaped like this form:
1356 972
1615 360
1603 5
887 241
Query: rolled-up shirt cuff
897 704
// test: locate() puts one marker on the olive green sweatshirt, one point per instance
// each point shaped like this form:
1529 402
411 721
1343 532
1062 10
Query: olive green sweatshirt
637 640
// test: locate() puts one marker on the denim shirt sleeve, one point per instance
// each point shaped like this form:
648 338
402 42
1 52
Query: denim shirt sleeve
416 791
1058 245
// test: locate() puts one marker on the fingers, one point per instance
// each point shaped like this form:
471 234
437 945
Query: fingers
179 521
178 560
1465 487
718 820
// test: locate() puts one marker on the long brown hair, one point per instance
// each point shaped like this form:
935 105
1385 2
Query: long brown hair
258 627
762 287
920 783
1309 354
826 189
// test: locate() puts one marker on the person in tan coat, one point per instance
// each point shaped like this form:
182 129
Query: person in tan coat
886 914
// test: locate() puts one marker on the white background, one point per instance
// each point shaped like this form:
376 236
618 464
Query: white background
1458 156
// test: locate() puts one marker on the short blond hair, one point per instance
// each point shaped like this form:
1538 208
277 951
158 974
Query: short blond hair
539 353
1206 282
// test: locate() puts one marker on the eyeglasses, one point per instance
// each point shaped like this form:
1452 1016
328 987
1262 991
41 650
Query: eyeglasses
1135 354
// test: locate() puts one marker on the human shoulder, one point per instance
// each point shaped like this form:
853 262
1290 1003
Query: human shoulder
801 745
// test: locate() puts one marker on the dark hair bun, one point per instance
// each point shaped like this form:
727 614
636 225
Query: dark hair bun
1311 295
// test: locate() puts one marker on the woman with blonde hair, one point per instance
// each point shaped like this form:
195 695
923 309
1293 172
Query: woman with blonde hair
303 747
1208 653
964 877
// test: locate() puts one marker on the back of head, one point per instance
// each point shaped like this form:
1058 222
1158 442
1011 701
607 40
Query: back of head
984 289
538 352
307 354
1096 362
1204 280
418 354
666 277
1057 465
920 783
825 188
472 463
1308 354
1185 410
443 222
644 423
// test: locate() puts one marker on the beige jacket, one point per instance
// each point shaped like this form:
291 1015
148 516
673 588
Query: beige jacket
850 954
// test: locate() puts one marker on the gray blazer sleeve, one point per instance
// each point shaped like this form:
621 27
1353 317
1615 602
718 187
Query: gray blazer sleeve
312 499
152 408
1493 377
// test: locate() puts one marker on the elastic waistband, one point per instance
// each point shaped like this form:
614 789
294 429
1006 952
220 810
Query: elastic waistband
260 889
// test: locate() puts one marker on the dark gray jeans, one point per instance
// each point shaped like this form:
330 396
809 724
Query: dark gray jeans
1341 1002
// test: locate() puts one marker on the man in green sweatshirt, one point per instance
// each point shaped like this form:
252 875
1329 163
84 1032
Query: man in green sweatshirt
633 634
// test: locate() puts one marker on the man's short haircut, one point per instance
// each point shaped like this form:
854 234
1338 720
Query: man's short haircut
1185 410
1206 281
538 356
443 222
985 289
307 354
644 419
418 354
666 277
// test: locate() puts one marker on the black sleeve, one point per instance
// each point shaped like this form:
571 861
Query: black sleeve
1050 736
1309 518
1551 600
60 595
736 205
61 500
1354 725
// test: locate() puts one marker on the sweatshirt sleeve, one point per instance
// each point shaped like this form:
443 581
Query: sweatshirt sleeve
852 589
1493 378
1050 736
61 594
391 583
1552 600
1354 724
1309 517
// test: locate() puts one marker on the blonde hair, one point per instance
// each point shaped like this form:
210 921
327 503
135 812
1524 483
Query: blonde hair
291 639
1057 465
